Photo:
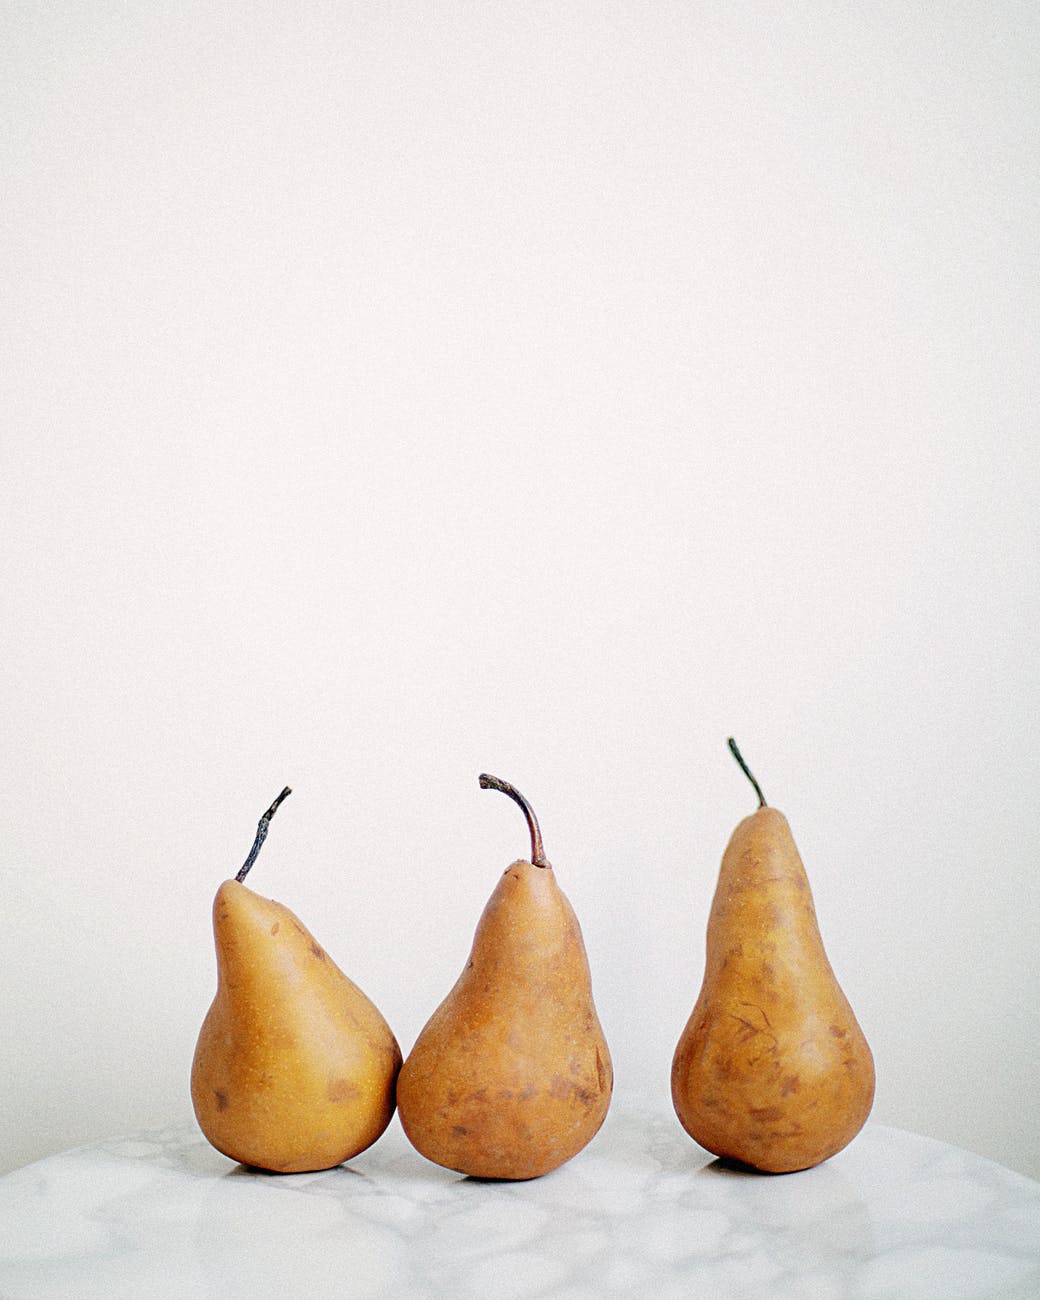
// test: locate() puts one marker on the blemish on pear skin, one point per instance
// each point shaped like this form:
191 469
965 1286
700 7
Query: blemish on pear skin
221 1098
318 951
276 927
790 1083
749 1030
342 1090
563 1089
460 1130
774 917
836 1031
560 1088
767 1114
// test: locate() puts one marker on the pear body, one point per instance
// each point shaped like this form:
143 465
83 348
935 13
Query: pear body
511 1075
772 1068
294 1067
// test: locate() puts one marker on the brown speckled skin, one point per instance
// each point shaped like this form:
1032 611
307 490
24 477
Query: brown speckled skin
294 1067
511 1075
772 1068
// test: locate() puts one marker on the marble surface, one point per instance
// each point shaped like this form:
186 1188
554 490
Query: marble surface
641 1211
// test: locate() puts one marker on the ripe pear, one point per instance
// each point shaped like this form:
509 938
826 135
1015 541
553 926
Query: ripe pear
294 1067
772 1069
511 1075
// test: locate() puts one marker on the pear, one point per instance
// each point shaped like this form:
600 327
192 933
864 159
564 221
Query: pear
511 1075
294 1067
772 1069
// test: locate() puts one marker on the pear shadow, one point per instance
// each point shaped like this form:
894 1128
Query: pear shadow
699 1160
729 1167
487 1181
256 1172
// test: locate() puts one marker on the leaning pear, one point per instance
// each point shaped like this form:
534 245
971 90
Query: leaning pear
772 1069
511 1075
294 1068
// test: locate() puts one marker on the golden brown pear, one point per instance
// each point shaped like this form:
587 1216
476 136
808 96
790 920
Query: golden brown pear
511 1075
294 1068
772 1068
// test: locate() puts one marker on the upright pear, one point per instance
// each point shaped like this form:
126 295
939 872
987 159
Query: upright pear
772 1069
511 1075
294 1067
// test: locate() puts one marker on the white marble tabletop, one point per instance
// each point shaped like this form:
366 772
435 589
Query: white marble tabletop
642 1211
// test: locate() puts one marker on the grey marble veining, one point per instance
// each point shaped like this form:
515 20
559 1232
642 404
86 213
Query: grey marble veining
641 1211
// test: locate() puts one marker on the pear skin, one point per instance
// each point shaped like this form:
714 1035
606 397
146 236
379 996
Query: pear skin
772 1069
511 1075
294 1068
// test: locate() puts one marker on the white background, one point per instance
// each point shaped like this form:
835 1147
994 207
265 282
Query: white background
396 391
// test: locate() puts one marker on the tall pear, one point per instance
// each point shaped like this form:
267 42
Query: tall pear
294 1067
511 1075
772 1069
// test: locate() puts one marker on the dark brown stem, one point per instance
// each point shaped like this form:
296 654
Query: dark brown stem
747 771
261 835
537 851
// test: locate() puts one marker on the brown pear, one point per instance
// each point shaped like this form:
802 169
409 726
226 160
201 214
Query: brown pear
294 1067
772 1069
511 1075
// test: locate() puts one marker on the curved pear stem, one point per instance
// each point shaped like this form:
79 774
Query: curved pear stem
261 835
747 771
538 857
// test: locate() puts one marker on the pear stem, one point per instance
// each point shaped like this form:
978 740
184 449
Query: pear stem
747 771
261 835
538 857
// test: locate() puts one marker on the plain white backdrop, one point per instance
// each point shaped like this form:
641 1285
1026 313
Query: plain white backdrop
394 392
